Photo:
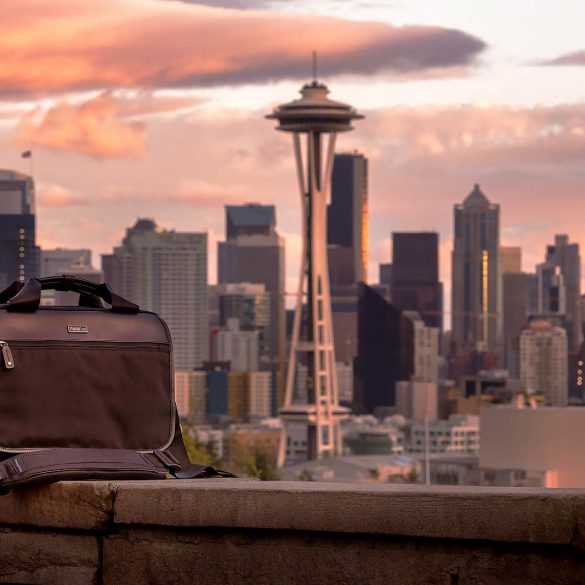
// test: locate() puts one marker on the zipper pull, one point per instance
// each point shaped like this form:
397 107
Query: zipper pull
7 355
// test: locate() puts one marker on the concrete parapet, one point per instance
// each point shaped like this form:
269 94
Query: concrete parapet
240 531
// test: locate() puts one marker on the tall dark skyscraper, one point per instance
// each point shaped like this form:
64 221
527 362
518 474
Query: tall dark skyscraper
385 351
415 282
347 220
515 309
566 257
476 275
19 254
347 247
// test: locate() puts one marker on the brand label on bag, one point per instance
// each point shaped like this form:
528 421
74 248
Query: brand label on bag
77 329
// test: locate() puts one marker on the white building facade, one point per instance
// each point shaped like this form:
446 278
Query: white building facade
543 361
166 272
260 394
458 434
238 347
417 400
426 350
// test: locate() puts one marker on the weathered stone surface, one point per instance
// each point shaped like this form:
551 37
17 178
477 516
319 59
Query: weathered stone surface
68 504
497 514
239 531
288 558
31 558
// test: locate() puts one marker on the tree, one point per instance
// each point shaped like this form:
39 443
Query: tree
200 452
255 462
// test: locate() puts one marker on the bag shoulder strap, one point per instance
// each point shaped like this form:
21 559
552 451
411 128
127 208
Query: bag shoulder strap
75 464
190 470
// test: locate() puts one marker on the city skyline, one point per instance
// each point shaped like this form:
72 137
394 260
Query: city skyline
107 142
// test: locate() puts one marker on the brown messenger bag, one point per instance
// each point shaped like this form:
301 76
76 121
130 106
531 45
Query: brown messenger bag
86 392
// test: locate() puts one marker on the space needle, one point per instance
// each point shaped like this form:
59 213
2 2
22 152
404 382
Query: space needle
314 121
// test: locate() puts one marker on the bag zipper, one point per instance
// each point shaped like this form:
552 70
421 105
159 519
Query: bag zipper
7 357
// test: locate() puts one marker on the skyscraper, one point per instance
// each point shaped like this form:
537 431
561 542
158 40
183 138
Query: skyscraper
510 259
347 247
385 274
166 272
547 294
249 219
238 347
258 259
566 257
515 287
250 305
19 254
415 282
254 253
476 275
347 220
515 306
385 352
543 361
60 260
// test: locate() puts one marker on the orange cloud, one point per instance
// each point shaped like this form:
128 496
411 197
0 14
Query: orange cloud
93 128
68 45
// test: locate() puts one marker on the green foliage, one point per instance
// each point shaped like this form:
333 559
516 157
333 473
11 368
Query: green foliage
255 463
198 452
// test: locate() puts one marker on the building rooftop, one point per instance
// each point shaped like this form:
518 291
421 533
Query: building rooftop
251 215
476 197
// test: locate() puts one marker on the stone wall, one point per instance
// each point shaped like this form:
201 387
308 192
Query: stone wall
239 531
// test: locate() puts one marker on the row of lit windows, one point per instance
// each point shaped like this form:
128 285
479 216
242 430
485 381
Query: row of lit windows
21 253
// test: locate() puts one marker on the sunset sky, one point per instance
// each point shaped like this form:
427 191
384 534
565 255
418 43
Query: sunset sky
155 108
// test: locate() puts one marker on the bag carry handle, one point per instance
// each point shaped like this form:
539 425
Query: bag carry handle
28 296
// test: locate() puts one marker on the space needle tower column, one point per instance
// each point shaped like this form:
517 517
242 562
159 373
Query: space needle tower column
314 121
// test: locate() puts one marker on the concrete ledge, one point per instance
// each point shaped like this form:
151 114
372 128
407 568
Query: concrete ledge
498 514
82 505
242 531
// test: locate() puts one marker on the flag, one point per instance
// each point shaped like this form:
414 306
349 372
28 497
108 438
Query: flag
26 154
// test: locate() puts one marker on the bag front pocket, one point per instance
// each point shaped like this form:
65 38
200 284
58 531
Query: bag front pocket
114 395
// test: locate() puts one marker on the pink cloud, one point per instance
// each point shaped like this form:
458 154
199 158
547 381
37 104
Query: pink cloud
422 161
200 193
57 196
93 128
72 46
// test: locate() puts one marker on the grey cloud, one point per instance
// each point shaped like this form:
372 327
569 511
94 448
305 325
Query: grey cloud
431 49
575 58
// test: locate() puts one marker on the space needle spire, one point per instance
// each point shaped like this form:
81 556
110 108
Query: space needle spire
314 121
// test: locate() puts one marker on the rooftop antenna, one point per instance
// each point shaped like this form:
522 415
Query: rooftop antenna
314 66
